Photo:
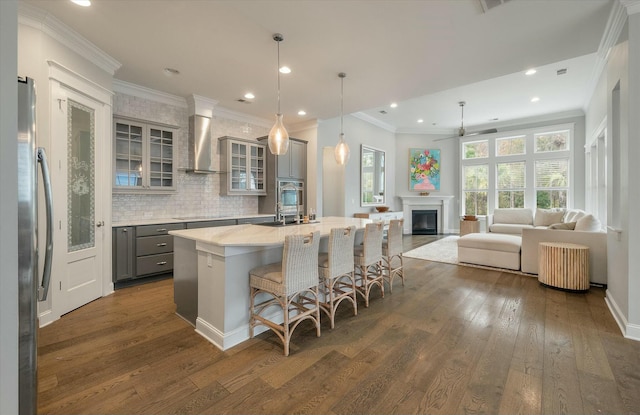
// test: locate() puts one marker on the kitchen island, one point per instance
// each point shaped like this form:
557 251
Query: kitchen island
211 272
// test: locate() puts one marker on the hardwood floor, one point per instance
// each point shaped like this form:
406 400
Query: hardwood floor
453 340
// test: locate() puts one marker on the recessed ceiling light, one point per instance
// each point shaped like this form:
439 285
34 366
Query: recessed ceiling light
420 121
494 119
530 72
535 99
249 95
171 72
302 112
382 112
561 71
285 69
83 3
393 105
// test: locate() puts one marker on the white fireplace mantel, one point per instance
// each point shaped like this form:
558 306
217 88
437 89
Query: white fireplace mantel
439 203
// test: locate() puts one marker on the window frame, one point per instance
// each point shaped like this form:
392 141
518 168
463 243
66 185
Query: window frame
529 158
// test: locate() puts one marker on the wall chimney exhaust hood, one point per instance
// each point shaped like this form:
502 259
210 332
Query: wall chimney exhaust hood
201 147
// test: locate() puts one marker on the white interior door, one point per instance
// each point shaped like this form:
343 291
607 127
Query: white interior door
77 144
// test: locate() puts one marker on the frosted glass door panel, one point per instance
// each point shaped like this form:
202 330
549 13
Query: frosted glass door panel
80 176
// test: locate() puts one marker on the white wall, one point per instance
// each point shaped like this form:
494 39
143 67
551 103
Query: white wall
449 170
358 132
8 209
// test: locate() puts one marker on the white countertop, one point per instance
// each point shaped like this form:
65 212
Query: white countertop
260 235
154 221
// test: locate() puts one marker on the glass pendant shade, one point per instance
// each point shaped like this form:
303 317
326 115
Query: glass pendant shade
341 151
278 137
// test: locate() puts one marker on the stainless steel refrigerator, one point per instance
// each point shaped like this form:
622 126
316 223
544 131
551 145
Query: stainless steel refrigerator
31 287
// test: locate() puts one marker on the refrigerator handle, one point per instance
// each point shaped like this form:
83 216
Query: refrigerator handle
43 289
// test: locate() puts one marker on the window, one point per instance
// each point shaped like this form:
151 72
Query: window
529 168
511 184
555 141
510 146
476 184
475 150
552 183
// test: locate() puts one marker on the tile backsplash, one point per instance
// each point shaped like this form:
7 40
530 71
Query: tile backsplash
196 194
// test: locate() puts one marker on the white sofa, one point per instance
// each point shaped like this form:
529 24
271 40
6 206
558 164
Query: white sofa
571 226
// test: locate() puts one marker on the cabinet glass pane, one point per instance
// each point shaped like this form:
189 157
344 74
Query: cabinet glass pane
80 176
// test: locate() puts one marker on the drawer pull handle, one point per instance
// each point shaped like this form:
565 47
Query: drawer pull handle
161 263
162 244
161 230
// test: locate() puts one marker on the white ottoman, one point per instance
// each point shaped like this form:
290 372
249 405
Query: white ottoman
490 249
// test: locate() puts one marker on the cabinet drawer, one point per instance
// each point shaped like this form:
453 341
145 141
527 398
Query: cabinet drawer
154 245
162 229
154 264
211 223
264 219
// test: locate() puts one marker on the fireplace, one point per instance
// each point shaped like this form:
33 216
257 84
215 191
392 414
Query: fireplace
424 222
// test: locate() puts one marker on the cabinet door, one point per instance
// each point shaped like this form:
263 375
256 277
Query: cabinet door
256 169
238 166
129 156
298 161
123 254
161 166
284 163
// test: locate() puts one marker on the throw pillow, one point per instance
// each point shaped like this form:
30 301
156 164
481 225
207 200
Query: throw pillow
568 226
588 223
546 217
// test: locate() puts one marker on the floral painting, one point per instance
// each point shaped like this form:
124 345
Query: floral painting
424 165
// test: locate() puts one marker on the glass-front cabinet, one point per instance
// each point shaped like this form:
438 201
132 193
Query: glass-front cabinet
144 156
243 165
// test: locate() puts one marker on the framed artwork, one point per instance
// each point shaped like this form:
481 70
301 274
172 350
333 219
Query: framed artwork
424 170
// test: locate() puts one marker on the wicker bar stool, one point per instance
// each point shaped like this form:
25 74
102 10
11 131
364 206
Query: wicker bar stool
368 261
392 252
286 283
337 281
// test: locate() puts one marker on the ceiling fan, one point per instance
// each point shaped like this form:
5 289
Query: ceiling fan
462 132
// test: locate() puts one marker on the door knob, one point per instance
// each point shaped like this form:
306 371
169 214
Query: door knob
100 223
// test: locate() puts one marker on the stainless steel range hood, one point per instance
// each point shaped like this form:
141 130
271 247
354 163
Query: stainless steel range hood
201 146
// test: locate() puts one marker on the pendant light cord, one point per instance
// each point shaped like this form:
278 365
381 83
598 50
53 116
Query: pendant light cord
278 72
341 103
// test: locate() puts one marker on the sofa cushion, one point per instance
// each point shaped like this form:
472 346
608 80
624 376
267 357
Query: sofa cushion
588 223
546 217
573 215
508 228
568 226
490 241
513 216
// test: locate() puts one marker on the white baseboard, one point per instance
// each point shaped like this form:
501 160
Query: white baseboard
629 331
225 341
45 318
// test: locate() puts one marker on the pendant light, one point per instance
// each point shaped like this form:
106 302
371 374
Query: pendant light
341 151
278 136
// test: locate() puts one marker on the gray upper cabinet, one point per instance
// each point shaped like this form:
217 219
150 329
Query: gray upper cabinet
143 156
293 165
244 167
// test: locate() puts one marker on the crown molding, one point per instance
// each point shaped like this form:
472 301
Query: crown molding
371 120
615 24
38 19
632 6
427 130
238 116
200 105
148 93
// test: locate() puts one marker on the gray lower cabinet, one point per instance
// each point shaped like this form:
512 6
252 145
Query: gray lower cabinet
210 223
154 248
147 250
123 255
262 219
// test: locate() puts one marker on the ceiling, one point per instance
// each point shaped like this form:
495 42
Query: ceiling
425 55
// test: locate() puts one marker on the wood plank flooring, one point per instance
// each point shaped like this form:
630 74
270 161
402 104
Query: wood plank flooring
452 340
